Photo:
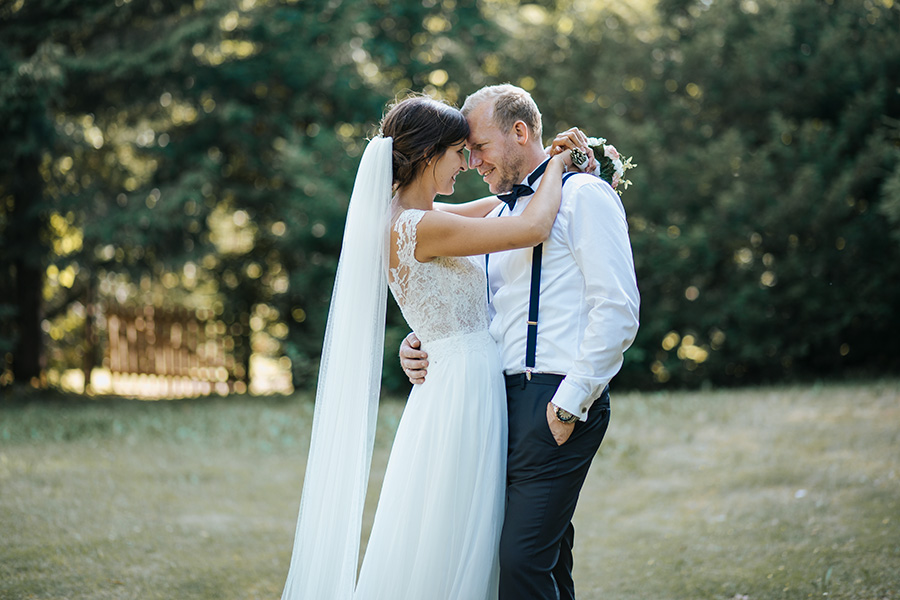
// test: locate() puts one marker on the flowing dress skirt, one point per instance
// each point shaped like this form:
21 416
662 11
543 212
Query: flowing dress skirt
437 526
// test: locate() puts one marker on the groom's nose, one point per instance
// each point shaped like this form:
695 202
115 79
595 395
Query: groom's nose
474 160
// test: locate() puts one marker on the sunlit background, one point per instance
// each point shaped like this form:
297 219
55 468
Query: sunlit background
174 176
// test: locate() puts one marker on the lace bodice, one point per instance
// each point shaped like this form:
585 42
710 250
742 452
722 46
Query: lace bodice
442 298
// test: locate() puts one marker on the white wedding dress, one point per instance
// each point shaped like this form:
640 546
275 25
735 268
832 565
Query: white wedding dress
437 526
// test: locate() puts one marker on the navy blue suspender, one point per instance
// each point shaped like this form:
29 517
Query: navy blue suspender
533 299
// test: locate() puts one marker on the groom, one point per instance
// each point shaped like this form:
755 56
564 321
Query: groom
557 381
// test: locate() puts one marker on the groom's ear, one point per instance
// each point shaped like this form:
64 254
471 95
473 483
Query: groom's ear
522 133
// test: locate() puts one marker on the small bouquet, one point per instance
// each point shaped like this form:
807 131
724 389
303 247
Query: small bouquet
611 166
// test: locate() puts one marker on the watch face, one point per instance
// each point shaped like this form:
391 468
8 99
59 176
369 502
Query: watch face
564 416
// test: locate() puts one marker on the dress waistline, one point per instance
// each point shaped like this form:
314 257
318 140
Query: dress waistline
475 340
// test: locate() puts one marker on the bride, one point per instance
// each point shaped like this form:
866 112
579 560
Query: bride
438 521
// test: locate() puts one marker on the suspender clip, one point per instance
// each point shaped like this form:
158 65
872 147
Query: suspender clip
528 373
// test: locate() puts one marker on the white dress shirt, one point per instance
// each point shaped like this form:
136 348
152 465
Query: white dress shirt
588 312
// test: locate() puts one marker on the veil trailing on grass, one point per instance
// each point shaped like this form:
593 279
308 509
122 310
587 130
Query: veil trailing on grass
326 543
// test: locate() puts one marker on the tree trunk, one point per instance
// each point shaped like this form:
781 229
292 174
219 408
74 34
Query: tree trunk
89 359
26 230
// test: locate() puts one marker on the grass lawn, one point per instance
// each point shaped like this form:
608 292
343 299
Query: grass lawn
790 492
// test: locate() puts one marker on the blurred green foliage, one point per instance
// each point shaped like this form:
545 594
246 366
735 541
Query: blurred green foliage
202 152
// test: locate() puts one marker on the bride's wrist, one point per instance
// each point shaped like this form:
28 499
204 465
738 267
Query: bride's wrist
564 159
560 161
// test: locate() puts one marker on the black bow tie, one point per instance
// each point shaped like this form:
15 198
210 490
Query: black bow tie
517 191
520 189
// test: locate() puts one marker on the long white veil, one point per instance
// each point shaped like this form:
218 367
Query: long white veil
326 544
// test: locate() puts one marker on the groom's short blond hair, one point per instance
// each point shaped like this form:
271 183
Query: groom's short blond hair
511 104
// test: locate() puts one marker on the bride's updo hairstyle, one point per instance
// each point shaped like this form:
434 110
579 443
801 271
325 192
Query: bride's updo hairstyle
422 129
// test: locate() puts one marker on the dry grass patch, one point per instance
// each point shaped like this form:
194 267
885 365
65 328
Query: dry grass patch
767 493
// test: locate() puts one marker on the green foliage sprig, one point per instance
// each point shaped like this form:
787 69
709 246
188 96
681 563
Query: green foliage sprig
611 167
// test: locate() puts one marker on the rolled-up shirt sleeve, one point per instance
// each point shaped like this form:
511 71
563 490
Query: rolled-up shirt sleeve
597 234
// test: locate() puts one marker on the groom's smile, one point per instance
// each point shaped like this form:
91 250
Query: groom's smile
497 185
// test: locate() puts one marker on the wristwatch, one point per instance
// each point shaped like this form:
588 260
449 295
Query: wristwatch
564 416
579 159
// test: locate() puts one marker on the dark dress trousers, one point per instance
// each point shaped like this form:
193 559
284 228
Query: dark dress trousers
543 484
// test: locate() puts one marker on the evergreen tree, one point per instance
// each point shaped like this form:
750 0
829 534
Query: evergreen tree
766 135
217 139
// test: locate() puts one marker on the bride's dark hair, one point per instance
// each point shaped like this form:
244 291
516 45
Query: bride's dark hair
422 129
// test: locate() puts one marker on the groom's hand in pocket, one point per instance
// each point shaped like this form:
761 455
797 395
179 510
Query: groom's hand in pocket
413 360
561 431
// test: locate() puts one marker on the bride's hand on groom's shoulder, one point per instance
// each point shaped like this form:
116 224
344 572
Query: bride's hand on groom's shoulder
570 139
413 360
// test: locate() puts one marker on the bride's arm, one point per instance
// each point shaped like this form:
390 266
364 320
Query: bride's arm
446 234
475 208
566 140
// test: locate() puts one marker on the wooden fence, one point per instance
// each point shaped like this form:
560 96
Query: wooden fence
169 353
